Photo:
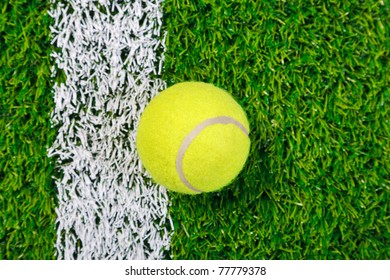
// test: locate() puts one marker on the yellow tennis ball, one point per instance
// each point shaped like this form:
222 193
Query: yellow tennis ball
193 138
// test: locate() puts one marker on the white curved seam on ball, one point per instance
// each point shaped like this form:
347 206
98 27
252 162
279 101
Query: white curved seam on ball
192 135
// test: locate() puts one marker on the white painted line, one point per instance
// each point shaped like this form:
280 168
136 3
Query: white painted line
107 207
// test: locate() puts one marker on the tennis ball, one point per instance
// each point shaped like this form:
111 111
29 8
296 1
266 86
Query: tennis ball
193 138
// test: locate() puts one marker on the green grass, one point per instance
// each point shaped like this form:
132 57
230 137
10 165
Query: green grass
313 77
27 192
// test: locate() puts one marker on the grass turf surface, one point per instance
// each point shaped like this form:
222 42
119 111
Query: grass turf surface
27 193
313 77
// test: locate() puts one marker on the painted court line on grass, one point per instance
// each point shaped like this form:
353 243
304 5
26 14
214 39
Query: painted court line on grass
110 53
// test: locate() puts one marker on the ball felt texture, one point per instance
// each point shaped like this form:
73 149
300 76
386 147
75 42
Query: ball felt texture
193 137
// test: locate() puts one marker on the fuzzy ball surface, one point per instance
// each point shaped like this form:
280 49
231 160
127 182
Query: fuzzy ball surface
193 138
